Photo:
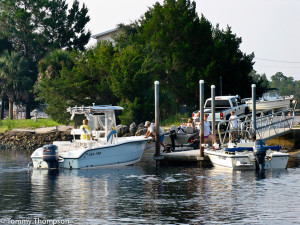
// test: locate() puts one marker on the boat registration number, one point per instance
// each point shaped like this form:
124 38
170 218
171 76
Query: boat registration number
94 153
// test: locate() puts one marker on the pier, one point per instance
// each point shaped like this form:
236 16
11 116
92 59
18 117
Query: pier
268 125
263 125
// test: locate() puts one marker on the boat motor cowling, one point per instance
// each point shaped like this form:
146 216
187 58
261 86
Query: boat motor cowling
259 151
50 156
173 136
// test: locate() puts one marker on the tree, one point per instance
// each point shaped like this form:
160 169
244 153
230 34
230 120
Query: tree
35 28
261 82
13 77
76 78
4 45
178 48
230 63
285 84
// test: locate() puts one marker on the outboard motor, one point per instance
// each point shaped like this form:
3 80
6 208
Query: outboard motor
50 156
173 137
259 151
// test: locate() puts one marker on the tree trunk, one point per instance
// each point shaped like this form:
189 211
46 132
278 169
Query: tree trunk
28 109
11 108
2 109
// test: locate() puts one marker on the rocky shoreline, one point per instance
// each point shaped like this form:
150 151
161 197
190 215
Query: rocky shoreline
26 139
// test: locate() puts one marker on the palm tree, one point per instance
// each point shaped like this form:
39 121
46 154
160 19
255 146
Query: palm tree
13 79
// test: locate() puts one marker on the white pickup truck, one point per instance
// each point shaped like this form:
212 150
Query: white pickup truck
223 107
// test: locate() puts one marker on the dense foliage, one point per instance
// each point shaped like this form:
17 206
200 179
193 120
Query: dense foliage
169 43
76 78
34 28
286 85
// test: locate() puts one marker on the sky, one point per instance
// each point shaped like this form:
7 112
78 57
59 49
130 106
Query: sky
269 28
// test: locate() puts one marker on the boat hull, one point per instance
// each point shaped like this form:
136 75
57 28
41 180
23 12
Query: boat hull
269 105
246 160
119 154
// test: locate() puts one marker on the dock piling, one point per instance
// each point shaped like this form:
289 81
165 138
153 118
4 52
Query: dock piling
201 84
213 118
254 109
157 144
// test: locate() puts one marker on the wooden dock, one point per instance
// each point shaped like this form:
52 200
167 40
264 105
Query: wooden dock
184 157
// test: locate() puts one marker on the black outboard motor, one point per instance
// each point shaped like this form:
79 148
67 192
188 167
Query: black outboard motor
173 136
50 156
259 151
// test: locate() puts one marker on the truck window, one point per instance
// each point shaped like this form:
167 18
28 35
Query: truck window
234 102
218 103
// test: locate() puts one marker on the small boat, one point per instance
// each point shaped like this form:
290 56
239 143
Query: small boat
105 150
181 138
271 100
248 156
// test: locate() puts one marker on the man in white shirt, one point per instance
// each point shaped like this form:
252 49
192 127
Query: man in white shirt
233 124
151 130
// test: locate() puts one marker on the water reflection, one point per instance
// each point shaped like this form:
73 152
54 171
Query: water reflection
145 195
81 193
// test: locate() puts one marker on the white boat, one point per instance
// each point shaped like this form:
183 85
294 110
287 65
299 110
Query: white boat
242 156
105 150
271 100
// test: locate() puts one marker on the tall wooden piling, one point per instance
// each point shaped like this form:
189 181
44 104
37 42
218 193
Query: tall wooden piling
201 94
156 94
213 109
254 109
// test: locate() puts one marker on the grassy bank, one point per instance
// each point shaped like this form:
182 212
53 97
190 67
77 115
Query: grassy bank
26 124
8 125
176 120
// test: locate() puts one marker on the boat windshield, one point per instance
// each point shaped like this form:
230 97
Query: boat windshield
270 96
103 122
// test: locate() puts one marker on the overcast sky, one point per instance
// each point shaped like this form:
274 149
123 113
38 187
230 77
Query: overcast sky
269 28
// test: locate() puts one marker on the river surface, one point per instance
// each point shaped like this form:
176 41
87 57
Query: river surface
142 194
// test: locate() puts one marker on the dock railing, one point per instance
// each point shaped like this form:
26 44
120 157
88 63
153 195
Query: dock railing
268 125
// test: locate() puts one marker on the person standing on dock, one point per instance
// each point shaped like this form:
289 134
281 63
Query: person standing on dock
233 124
207 131
151 131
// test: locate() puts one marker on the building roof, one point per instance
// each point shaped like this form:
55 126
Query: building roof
104 33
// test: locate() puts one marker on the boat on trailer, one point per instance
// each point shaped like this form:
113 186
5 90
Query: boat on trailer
248 156
271 100
105 150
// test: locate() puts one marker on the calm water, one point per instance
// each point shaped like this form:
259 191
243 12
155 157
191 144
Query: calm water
142 194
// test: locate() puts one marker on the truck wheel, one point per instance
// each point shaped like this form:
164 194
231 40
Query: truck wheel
227 117
247 111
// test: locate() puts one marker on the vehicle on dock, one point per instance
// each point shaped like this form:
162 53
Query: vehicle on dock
223 107
106 149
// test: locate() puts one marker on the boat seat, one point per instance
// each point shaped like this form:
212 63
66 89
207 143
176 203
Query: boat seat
189 130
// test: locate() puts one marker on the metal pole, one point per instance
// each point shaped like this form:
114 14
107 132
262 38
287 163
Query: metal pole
157 145
254 109
213 116
221 86
201 84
